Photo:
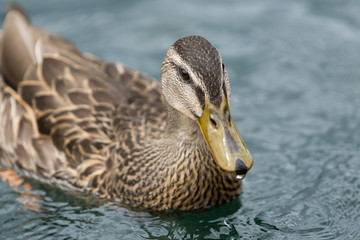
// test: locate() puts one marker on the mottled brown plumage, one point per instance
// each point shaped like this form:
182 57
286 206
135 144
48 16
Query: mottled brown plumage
81 123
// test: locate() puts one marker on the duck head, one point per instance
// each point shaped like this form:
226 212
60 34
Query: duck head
195 82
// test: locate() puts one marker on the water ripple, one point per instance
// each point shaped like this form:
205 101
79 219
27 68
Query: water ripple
294 69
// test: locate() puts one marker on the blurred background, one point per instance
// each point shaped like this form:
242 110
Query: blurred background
294 68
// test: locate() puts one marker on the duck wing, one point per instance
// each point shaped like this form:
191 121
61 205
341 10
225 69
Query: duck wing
63 111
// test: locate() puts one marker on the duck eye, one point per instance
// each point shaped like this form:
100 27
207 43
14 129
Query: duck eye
223 67
184 74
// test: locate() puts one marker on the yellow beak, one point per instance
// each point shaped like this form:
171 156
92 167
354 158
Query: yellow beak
223 138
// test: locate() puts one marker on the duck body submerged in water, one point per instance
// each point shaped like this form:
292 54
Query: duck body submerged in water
84 124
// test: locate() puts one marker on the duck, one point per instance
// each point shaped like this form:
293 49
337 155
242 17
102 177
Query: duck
83 124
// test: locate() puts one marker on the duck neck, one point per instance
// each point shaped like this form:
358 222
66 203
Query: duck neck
175 171
186 175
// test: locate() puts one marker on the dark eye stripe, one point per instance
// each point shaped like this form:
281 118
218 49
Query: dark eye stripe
184 75
223 67
224 89
200 95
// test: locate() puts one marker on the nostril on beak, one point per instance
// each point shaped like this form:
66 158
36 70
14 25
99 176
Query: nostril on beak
213 122
240 167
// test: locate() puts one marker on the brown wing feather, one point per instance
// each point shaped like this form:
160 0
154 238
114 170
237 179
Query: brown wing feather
22 145
64 109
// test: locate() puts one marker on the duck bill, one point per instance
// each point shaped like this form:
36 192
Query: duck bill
223 138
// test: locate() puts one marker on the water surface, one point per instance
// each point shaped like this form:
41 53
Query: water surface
295 75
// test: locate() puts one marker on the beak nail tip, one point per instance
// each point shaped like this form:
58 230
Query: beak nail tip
240 167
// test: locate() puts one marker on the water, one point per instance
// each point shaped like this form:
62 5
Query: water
240 177
294 69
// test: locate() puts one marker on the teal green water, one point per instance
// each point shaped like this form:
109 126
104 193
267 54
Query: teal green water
295 75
